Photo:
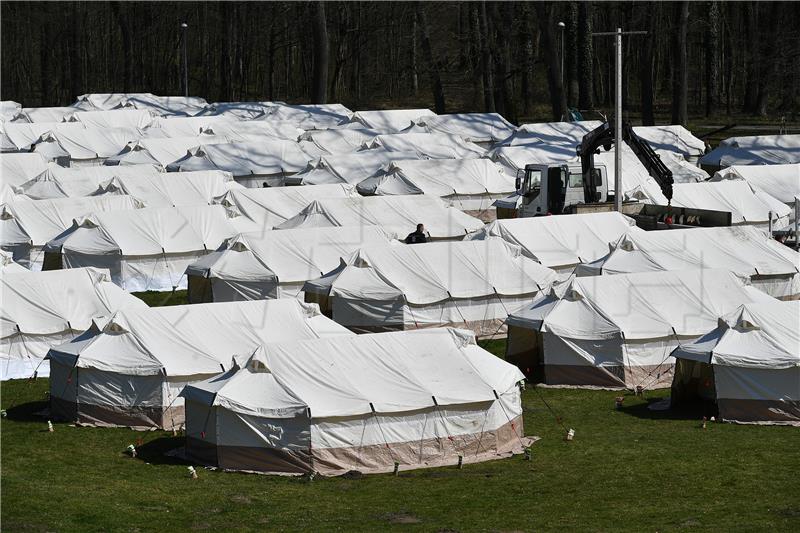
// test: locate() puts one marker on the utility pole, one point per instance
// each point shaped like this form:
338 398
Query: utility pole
562 27
618 111
184 29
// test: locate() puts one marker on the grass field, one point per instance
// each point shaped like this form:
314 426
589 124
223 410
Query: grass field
628 470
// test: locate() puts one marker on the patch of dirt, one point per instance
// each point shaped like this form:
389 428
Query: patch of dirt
401 518
241 498
200 526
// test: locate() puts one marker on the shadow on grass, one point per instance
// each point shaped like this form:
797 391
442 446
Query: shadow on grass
694 410
155 451
28 412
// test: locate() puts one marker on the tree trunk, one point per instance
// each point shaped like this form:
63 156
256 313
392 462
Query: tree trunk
414 67
646 73
433 65
585 57
320 84
558 102
680 73
527 61
76 73
712 58
126 46
571 48
486 62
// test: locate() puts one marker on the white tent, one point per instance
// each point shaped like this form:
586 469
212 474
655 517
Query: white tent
309 116
23 135
42 309
238 110
779 181
369 403
16 169
747 251
736 197
107 101
27 225
619 331
201 187
340 140
243 129
390 120
144 249
470 284
7 264
129 370
258 210
749 365
673 138
173 126
473 127
118 118
395 214
87 146
471 185
163 105
429 145
274 264
162 152
757 150
63 182
552 133
47 114
9 110
562 242
350 168
253 164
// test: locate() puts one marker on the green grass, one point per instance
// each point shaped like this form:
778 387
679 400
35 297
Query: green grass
628 470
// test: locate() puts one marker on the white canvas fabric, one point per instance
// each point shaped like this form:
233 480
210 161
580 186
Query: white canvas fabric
238 110
87 146
562 242
108 101
47 114
309 116
252 164
340 140
780 181
755 355
756 150
9 110
243 129
674 138
472 127
23 135
474 284
63 182
682 170
390 120
620 330
256 210
350 168
7 263
736 197
163 151
365 403
177 126
552 133
144 249
16 169
747 251
466 184
161 189
276 264
41 309
167 105
395 214
130 368
429 145
27 225
118 118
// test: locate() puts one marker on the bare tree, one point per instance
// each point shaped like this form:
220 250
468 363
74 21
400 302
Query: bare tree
319 91
680 73
558 101
585 56
433 64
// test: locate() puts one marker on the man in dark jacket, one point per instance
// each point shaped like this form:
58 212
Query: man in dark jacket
418 236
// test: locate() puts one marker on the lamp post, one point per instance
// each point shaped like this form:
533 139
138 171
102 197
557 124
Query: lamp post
184 30
562 27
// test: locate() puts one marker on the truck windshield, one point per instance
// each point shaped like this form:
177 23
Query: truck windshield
533 181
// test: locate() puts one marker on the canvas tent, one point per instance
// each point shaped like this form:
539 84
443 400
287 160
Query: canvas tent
347 168
253 164
21 136
201 187
274 264
367 403
47 114
779 181
118 118
238 110
262 209
144 249
339 140
42 309
16 169
87 146
471 185
470 284
27 225
481 128
9 110
390 120
243 129
309 116
428 145
749 365
619 331
161 151
163 105
747 251
562 242
7 263
128 370
395 214
63 182
756 150
674 138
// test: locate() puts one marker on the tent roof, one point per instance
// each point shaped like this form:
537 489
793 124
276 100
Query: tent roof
473 127
286 256
673 138
756 150
563 240
390 120
244 129
442 177
24 134
42 220
9 110
16 169
7 263
779 181
742 249
434 272
176 126
552 133
760 335
267 157
86 143
44 303
340 140
162 151
190 340
655 305
118 118
48 114
148 231
64 182
309 116
160 189
395 214
736 197
351 168
264 208
430 145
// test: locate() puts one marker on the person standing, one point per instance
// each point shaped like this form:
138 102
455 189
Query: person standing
418 236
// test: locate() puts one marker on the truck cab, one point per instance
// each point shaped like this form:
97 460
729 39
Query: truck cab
556 189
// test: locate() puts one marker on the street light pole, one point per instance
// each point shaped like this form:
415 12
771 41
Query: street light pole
562 26
185 28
